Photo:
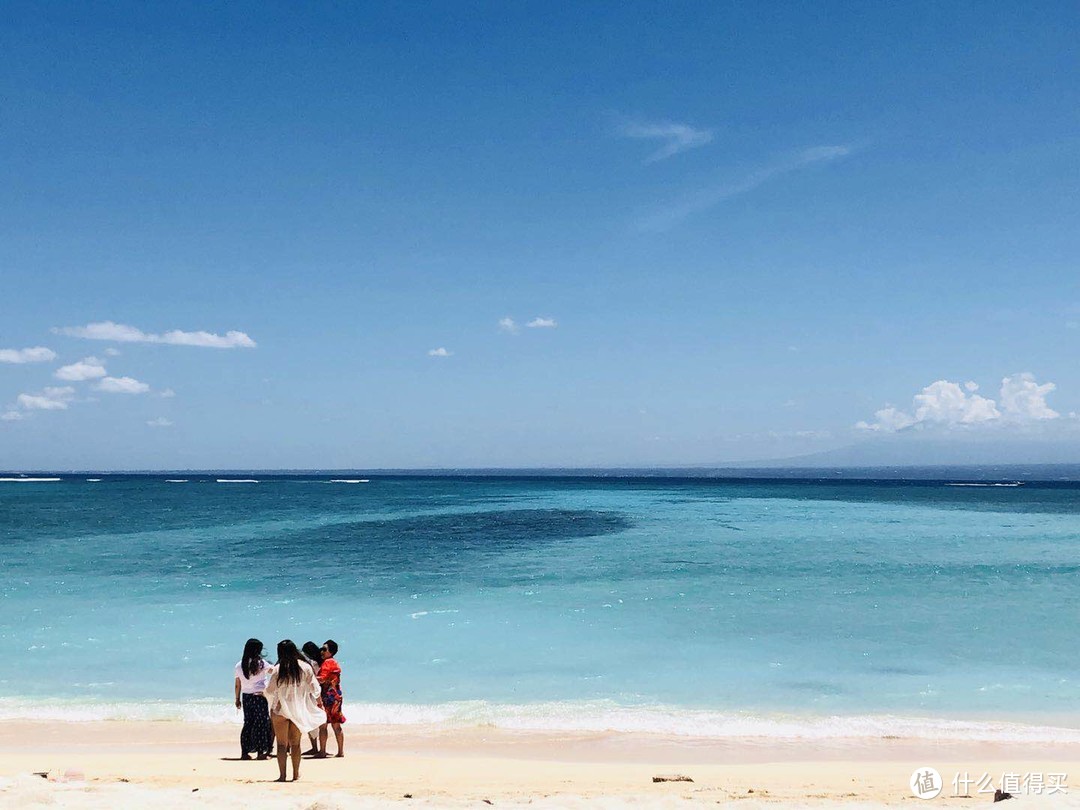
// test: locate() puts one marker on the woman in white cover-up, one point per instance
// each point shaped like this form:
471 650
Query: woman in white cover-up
295 708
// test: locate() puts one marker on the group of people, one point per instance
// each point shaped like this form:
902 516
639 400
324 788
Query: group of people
300 694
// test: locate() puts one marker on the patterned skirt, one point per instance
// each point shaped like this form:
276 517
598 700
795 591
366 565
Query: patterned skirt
331 700
256 736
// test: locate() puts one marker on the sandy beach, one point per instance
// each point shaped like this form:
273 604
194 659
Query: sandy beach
170 764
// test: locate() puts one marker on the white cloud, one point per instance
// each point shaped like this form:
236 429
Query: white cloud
945 402
37 402
121 333
889 420
947 405
106 330
1023 398
439 352
706 198
11 416
112 352
89 368
51 399
677 137
167 393
161 421
542 323
37 354
508 324
230 340
122 385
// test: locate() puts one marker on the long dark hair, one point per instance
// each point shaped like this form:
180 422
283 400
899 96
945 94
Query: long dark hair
311 651
288 662
252 662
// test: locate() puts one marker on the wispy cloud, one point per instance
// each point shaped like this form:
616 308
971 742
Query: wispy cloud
89 368
11 416
51 399
542 323
439 352
676 137
122 333
161 421
508 324
947 405
706 198
37 354
122 385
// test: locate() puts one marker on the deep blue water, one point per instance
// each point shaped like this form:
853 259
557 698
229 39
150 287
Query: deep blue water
669 604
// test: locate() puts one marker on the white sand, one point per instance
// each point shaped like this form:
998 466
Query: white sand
184 765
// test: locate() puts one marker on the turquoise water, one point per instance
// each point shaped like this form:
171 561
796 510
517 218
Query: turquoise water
713 607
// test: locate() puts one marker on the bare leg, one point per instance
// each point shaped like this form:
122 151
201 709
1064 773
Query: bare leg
294 750
313 737
339 735
281 733
323 735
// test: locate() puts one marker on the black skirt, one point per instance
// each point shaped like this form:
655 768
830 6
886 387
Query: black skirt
256 736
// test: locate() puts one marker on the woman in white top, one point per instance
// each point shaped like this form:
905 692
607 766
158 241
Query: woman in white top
295 708
252 674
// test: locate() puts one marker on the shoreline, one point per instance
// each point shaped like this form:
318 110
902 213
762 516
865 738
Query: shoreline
591 717
128 763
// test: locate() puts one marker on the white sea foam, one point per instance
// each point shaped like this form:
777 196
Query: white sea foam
1010 484
25 480
93 480
176 480
348 480
578 716
71 710
237 481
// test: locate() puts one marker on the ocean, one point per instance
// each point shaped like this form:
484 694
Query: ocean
781 607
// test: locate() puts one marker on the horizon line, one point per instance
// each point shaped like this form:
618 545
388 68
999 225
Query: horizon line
497 470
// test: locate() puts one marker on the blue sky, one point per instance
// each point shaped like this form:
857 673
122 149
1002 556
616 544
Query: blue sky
745 230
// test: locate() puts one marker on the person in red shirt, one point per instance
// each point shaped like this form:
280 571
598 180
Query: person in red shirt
330 680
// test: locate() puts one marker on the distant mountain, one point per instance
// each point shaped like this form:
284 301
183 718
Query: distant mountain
907 451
